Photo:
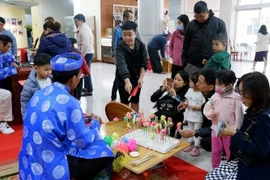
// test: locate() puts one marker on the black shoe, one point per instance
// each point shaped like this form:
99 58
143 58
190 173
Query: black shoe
87 94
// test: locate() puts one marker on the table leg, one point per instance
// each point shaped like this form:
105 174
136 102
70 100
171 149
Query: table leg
16 104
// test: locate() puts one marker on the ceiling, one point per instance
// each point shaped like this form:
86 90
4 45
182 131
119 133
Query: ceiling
22 3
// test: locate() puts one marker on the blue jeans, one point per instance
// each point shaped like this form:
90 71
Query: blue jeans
88 80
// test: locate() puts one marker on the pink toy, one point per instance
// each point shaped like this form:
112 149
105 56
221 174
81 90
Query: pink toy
132 145
122 147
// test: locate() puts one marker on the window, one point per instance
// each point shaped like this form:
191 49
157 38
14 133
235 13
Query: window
248 2
265 1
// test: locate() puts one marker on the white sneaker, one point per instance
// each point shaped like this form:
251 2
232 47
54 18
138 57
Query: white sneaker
5 128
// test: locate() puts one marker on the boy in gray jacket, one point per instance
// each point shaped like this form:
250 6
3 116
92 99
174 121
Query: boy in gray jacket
38 78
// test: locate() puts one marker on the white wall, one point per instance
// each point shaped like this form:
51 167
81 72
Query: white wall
90 8
58 9
10 11
36 22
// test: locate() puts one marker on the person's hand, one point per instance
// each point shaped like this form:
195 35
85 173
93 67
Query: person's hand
140 82
128 86
171 91
228 131
13 64
96 118
182 106
187 133
204 61
164 86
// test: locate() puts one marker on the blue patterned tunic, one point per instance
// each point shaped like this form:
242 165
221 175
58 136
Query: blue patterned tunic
54 128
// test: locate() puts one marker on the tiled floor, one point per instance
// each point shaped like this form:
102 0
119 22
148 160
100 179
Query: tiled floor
103 76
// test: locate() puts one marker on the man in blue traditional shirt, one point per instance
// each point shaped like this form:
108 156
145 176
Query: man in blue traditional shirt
7 68
56 143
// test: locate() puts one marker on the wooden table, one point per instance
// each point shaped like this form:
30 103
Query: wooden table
16 94
110 127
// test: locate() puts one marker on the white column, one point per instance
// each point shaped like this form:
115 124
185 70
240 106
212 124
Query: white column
228 14
150 14
90 8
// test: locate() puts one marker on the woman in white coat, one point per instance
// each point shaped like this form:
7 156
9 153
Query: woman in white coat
262 43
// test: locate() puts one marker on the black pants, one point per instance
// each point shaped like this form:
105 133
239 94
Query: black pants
155 60
114 90
175 69
78 90
206 143
83 169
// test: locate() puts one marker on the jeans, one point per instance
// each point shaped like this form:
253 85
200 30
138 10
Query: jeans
155 60
88 79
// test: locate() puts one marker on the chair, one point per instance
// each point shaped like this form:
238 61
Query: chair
235 54
115 109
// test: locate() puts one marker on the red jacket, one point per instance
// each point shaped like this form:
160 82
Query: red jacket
84 69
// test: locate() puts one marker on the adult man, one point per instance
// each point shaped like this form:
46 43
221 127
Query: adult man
197 46
13 49
7 68
157 43
116 36
65 148
85 41
206 84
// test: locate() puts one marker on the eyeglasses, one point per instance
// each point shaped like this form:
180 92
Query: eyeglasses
243 95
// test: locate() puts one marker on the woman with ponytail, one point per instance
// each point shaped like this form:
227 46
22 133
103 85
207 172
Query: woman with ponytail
54 42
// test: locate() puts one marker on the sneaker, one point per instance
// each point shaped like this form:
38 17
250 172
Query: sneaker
5 128
195 152
188 149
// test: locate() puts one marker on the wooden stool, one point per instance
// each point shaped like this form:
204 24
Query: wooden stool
115 109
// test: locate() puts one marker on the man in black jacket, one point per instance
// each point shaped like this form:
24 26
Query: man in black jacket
197 47
206 84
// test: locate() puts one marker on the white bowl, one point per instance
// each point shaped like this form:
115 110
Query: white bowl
134 154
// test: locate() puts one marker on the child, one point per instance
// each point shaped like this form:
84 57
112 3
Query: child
131 59
84 70
225 105
38 78
221 59
193 114
168 97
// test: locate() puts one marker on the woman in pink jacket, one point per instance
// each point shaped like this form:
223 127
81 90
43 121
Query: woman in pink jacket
176 44
224 106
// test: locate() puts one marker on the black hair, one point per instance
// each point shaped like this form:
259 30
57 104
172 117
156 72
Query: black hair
126 13
184 75
73 41
184 19
256 86
50 18
166 12
226 77
42 59
222 37
2 20
194 77
5 39
209 75
64 77
80 17
263 29
55 26
200 7
129 25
